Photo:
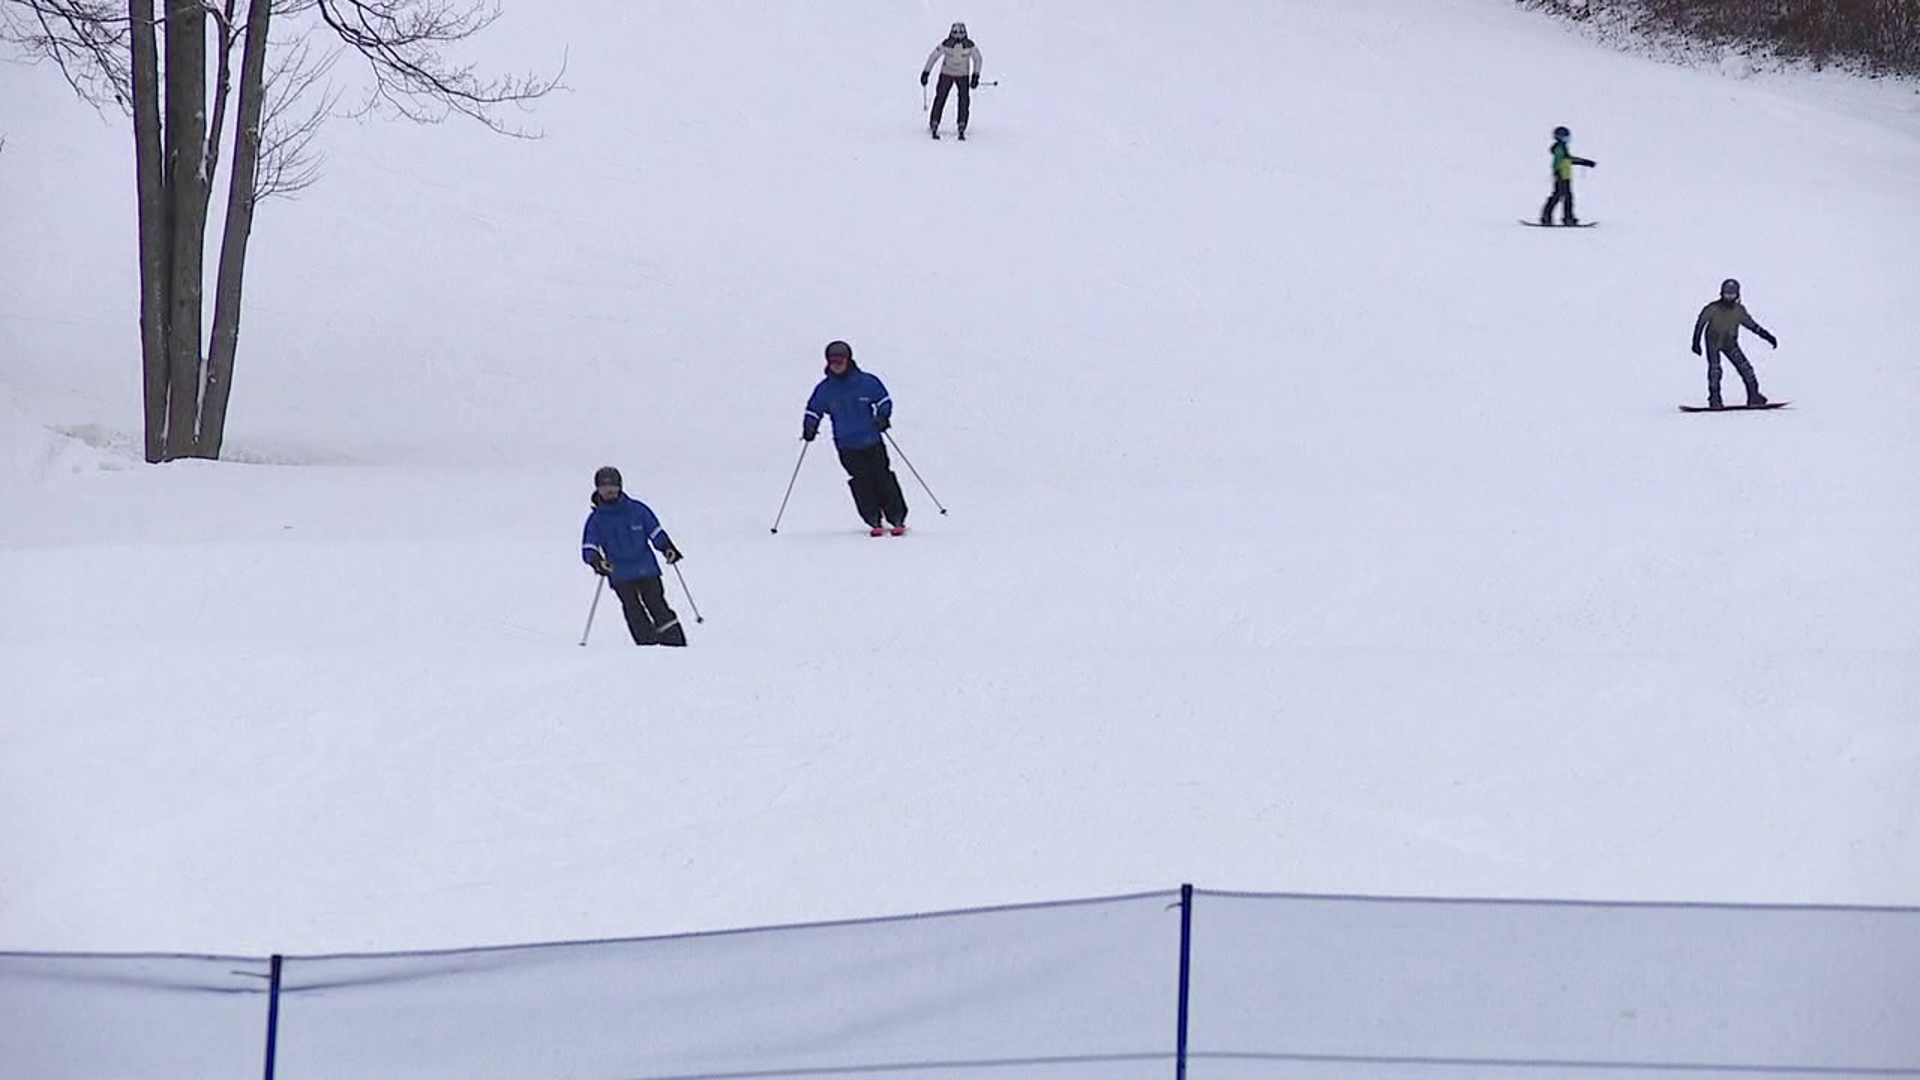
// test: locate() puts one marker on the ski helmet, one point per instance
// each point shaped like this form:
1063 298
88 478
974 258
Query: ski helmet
1730 289
839 349
957 30
606 475
1561 134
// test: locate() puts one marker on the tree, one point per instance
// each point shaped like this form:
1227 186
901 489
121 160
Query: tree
1881 36
155 68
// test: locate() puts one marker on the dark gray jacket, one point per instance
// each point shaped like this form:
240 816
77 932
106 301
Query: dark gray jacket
1721 321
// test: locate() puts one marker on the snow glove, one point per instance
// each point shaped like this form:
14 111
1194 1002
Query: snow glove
671 555
973 81
923 78
808 430
881 422
602 567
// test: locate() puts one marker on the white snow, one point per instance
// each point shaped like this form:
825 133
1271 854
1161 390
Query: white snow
1314 527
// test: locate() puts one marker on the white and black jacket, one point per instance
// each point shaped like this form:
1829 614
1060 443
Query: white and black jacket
958 57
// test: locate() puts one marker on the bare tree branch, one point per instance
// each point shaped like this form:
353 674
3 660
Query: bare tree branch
85 39
296 106
402 42
223 85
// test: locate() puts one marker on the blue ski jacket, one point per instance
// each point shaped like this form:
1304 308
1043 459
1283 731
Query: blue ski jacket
853 400
626 533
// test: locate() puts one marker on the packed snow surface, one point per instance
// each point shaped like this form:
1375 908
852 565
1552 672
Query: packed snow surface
1313 526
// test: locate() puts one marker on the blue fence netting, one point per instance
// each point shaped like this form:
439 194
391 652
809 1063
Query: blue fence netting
1183 983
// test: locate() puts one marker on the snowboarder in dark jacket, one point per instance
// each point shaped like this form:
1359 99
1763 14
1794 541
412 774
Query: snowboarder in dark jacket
1720 323
1563 163
960 63
619 541
862 412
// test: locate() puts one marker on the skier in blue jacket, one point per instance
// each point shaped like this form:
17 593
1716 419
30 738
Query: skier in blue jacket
618 542
861 411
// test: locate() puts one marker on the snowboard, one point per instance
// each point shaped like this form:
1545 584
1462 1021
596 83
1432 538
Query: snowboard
1537 225
1736 408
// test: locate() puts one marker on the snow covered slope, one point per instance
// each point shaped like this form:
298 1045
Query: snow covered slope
1314 526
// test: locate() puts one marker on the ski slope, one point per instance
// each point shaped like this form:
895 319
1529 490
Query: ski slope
1313 526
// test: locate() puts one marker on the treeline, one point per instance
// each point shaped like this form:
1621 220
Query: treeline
1881 36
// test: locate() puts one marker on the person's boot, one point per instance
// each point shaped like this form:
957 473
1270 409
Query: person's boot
963 134
1755 399
933 130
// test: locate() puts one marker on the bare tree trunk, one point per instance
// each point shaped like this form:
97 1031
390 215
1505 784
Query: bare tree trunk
147 170
186 183
222 85
179 136
241 193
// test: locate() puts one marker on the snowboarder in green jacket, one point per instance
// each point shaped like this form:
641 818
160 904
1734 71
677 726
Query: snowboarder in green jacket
1563 163
1720 323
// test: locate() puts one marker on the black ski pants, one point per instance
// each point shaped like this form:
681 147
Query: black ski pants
948 82
1731 350
1562 194
649 619
876 491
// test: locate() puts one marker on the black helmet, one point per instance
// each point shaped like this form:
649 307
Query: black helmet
605 475
1561 134
1730 289
957 30
839 348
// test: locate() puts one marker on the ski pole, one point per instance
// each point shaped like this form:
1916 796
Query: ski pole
916 473
697 617
597 590
790 480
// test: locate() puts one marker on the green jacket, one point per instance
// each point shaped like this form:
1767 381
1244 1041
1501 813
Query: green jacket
1721 321
1564 161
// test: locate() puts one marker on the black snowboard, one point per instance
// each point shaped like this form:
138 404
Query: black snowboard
1537 225
1736 408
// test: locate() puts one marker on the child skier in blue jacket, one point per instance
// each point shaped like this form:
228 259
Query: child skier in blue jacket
862 411
618 542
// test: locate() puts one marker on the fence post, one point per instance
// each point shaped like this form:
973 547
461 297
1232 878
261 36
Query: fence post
1186 968
273 1010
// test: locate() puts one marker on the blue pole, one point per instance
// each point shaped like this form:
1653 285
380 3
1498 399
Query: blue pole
273 1011
1186 970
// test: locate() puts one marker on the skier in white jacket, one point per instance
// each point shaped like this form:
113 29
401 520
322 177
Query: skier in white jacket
959 61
